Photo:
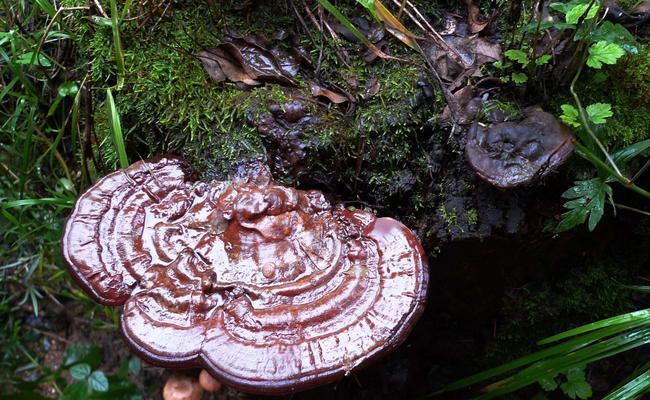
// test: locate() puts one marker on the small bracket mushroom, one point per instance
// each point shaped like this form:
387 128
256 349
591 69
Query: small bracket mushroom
509 154
246 279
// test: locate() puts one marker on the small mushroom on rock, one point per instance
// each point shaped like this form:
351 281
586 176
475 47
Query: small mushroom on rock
208 383
255 282
179 387
513 153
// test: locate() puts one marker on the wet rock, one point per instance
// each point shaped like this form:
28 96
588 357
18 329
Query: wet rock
282 134
45 323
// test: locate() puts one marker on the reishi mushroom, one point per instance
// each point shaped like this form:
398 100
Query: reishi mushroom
208 383
269 288
513 153
179 387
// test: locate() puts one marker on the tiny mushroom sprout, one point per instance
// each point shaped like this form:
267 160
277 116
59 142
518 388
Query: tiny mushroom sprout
270 289
513 153
180 387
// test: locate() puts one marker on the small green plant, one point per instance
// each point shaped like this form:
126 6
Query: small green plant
516 73
603 43
80 361
571 350
572 383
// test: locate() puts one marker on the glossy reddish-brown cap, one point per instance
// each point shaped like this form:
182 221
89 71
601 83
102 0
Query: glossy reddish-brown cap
268 288
509 154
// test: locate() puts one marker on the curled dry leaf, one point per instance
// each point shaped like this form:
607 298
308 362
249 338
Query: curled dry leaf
470 54
249 61
336 97
458 106
474 17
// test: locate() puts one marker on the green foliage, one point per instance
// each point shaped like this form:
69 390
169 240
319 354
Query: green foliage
518 56
586 199
597 113
519 77
573 383
576 385
570 115
610 33
576 11
576 348
116 129
603 52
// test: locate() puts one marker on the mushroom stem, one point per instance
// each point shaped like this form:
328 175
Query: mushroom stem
180 387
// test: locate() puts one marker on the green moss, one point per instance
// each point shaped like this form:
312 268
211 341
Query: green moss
472 217
169 104
449 215
627 89
585 294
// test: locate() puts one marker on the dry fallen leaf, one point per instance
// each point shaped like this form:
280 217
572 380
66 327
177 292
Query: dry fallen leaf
334 97
249 61
473 17
372 88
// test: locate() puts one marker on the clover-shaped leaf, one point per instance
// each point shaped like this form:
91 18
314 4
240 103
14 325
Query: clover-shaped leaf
603 52
599 112
569 115
586 200
518 56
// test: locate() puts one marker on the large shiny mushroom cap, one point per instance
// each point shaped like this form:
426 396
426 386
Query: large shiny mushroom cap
509 154
267 287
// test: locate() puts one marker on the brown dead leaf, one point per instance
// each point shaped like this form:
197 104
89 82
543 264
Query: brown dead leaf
249 61
462 107
335 97
473 17
372 88
393 25
221 67
472 52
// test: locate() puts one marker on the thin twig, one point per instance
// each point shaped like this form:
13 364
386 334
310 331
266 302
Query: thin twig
101 10
641 171
586 153
49 26
585 122
624 207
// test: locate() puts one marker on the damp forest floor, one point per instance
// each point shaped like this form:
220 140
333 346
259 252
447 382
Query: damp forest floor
87 86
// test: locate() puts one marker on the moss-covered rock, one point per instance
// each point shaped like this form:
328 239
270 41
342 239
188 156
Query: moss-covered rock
167 102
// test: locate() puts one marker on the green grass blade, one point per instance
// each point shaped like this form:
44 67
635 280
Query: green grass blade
626 154
47 7
563 348
125 10
638 288
331 8
117 44
619 319
38 202
116 129
549 368
636 386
